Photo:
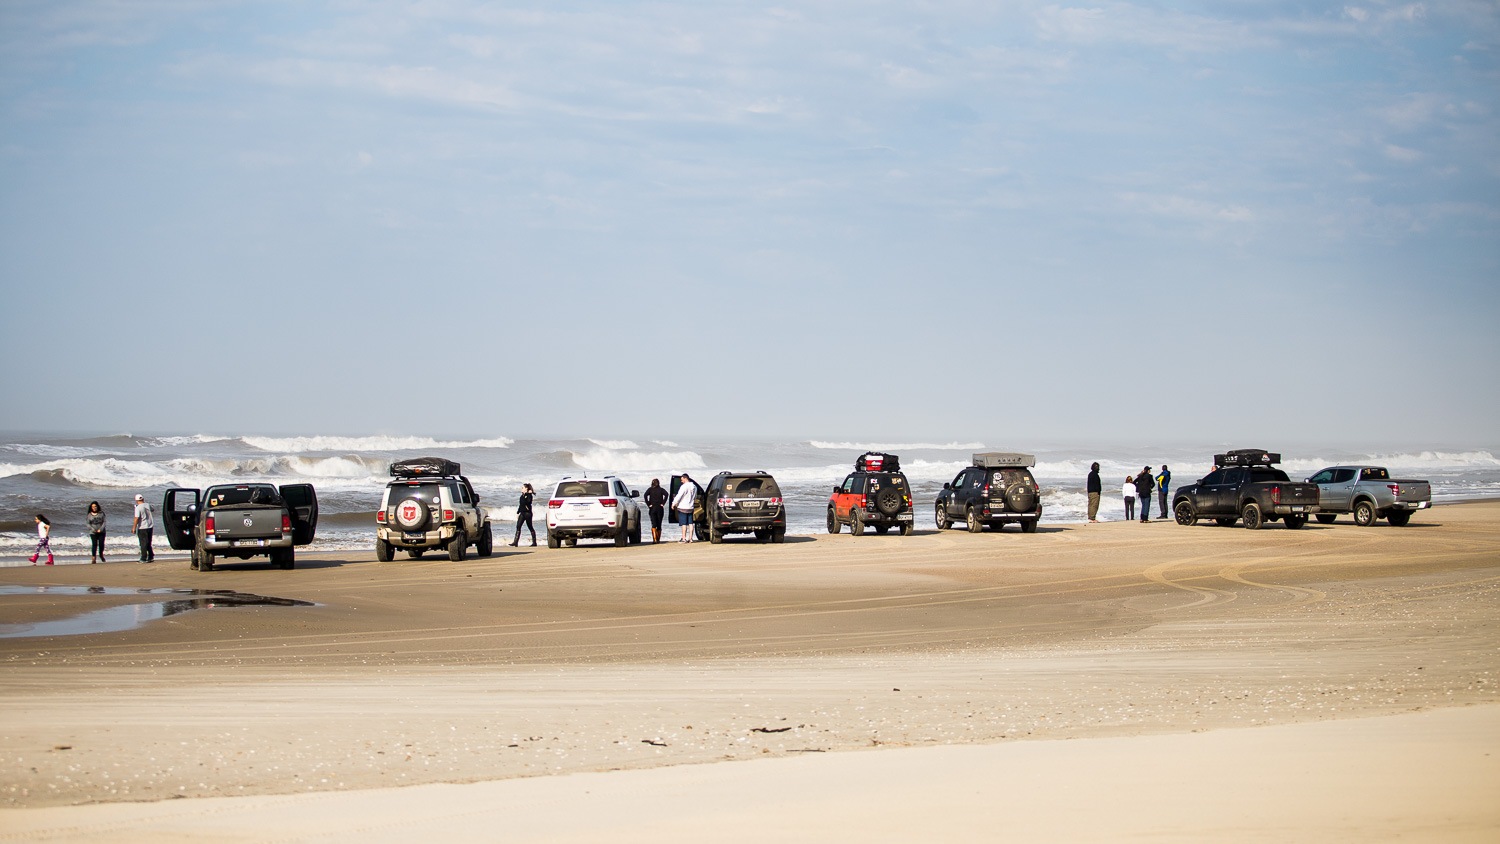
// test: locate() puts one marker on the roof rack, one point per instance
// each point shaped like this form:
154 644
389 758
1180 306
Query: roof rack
877 461
418 467
1003 460
1247 457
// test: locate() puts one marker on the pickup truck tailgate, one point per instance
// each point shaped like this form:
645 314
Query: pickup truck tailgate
247 523
1412 492
1297 493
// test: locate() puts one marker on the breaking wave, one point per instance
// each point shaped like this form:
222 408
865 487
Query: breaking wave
608 459
295 445
897 447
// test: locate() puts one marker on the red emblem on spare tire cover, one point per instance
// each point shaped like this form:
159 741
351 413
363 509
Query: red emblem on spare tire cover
409 513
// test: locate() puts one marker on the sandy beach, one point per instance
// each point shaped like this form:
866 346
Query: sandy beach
1086 682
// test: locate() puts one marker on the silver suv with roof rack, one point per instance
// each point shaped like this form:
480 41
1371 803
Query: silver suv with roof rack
426 506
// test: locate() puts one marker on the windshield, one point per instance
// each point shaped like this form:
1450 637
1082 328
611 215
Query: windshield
582 489
753 487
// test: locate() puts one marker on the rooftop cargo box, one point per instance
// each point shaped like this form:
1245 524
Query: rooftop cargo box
875 461
418 467
1003 459
1247 457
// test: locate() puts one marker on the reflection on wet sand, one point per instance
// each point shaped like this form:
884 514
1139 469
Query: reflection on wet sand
130 616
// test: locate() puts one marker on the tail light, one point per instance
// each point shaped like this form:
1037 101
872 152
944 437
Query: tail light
774 502
554 504
286 523
726 503
1275 495
610 502
380 516
447 515
1394 488
208 525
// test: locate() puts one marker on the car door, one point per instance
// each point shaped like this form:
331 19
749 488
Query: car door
302 502
843 499
179 511
1337 494
1210 492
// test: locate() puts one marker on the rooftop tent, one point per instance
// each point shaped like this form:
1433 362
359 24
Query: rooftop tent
875 461
418 467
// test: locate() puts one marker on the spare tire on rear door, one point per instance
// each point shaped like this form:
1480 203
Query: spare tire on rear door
1020 497
411 514
888 500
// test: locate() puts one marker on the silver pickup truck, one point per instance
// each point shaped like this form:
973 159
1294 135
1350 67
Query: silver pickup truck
241 521
1370 494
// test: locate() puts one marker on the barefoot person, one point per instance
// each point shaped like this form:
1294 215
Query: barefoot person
96 533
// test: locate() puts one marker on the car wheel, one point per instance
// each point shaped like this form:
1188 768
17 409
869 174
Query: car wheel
383 551
908 529
778 535
940 516
1399 518
1029 526
288 559
1364 513
1185 513
486 541
888 501
457 547
971 518
411 514
1020 498
1327 518
206 561
833 521
715 536
1250 514
1294 521
856 523
635 532
552 540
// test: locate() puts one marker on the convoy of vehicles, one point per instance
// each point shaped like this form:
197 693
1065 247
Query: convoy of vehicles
1369 493
875 494
1246 486
428 505
996 490
240 521
582 508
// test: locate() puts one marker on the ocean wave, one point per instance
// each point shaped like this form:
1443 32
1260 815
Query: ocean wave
617 445
115 473
43 450
296 445
195 439
896 447
606 459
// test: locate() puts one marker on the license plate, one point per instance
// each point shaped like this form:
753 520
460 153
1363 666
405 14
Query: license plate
581 505
413 537
750 505
906 517
1298 508
240 543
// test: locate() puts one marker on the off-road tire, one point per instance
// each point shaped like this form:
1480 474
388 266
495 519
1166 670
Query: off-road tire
856 523
833 521
908 529
1185 513
1399 518
384 551
1029 526
553 541
971 518
778 535
1294 521
1250 514
458 546
635 532
486 544
714 536
1327 518
206 561
288 559
1365 514
1020 498
421 521
888 501
940 516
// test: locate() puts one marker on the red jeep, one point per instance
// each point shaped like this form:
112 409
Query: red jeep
876 494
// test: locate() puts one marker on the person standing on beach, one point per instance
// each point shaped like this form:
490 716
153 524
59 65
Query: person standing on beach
96 532
43 539
141 526
1143 487
523 515
682 505
1128 490
656 505
1095 489
1163 480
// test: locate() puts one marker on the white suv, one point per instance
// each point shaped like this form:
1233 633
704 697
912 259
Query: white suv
428 506
593 507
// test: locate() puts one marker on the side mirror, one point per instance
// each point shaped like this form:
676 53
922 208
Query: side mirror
635 493
837 490
192 510
947 486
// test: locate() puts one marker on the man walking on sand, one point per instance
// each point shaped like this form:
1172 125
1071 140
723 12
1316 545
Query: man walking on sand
1143 487
1163 480
1095 489
141 526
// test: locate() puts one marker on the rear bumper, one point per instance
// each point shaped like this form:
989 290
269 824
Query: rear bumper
748 524
416 539
586 531
247 546
1410 505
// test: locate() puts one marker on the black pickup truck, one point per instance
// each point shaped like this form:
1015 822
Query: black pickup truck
1246 486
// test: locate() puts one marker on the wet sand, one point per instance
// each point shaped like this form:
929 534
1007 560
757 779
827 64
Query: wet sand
599 659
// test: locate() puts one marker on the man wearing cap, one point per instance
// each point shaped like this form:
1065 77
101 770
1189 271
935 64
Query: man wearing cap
141 526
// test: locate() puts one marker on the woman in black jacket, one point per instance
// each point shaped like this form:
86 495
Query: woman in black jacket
523 515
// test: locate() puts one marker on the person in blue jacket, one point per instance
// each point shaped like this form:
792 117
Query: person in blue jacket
1163 481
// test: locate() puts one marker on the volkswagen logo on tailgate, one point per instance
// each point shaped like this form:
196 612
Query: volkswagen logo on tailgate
248 522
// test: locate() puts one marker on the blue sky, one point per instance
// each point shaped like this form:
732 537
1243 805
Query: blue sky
1130 222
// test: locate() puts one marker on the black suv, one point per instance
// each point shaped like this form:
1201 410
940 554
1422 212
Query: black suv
875 493
996 490
744 502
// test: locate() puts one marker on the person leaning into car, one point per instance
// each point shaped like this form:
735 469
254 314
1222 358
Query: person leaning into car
656 505
682 505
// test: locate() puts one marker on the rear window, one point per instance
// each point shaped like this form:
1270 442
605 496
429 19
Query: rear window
582 489
1005 477
1267 475
1374 474
427 493
755 487
231 496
